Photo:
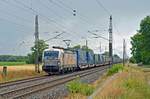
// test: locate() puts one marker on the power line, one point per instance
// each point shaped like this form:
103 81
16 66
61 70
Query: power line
40 14
15 16
108 12
13 22
37 13
55 37
22 5
101 5
49 8
54 12
7 2
67 6
69 10
98 31
51 11
98 36
34 11
26 6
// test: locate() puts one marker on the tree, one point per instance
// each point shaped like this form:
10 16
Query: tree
12 58
84 47
41 47
141 42
76 47
137 45
106 53
31 58
145 32
116 56
132 60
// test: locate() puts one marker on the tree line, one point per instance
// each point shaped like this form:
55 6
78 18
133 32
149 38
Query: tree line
141 43
13 58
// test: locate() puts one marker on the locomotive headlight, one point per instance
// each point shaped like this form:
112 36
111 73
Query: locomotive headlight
58 63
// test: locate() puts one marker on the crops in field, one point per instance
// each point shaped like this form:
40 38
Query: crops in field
12 63
18 72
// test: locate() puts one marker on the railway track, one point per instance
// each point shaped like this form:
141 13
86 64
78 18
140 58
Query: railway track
7 84
21 92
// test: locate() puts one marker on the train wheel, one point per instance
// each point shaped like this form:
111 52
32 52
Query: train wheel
62 71
72 69
49 74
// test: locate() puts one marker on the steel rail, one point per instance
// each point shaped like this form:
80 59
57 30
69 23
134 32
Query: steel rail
7 84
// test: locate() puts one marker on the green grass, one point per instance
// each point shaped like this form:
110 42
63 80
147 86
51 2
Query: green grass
76 86
146 66
136 89
11 63
115 69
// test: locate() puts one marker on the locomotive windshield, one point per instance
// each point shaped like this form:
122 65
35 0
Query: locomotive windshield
51 54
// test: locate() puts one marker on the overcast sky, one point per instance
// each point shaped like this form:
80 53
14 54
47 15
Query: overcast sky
17 22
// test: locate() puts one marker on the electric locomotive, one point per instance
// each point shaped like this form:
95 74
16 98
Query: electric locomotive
58 61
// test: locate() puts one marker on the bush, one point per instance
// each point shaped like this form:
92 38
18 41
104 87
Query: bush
115 69
76 86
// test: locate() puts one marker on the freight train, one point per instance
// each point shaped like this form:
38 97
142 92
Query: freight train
59 60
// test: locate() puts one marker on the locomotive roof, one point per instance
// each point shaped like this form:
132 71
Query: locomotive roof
54 49
60 50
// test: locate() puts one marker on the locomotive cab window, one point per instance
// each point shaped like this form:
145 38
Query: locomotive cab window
51 54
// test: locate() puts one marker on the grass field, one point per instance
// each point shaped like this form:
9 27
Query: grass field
146 66
19 72
12 63
131 83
